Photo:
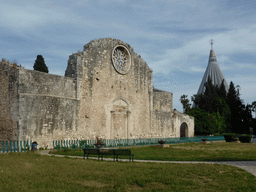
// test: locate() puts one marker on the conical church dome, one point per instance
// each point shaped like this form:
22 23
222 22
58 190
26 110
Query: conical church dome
213 71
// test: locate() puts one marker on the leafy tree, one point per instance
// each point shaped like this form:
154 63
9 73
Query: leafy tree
247 119
241 115
201 119
208 99
233 96
218 123
236 108
221 91
213 99
253 107
225 110
40 64
185 103
207 123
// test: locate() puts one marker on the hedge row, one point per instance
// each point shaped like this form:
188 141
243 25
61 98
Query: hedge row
231 137
245 138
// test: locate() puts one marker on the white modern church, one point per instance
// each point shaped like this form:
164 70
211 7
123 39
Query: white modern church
213 71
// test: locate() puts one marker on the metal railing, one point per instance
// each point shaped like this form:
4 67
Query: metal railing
80 144
22 146
15 146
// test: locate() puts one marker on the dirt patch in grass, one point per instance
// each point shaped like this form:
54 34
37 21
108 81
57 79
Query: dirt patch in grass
216 146
156 185
27 165
134 187
208 148
94 184
204 181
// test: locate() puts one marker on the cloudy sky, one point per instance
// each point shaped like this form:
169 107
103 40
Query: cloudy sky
171 36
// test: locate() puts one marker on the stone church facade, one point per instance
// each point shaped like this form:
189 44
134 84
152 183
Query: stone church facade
107 91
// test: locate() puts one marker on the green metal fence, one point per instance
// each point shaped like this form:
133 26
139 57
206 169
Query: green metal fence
80 144
15 146
22 146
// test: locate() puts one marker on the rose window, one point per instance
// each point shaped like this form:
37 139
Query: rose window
121 59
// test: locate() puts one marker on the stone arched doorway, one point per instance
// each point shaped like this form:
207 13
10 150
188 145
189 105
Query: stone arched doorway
119 119
184 130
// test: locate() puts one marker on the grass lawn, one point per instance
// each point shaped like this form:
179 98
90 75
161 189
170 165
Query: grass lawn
190 152
30 171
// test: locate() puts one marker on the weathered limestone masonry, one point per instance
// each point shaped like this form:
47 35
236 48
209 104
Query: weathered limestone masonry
47 107
8 102
34 105
107 91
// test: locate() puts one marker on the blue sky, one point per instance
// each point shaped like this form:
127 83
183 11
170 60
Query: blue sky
171 36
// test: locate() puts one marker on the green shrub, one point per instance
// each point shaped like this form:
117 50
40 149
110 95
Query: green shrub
86 146
229 137
245 138
82 143
57 147
41 148
27 147
65 149
74 146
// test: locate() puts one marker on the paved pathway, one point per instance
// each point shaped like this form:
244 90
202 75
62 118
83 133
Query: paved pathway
249 166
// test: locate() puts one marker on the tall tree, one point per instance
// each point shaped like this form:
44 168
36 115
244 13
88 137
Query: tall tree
237 109
254 107
247 119
40 65
226 111
207 123
185 103
213 100
221 91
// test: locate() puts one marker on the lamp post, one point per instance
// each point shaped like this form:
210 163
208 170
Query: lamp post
251 133
251 130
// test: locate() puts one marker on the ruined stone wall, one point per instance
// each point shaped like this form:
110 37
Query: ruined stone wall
39 83
47 107
180 118
113 105
162 122
116 105
99 96
8 102
162 100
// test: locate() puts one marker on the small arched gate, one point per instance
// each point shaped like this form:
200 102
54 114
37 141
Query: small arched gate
184 130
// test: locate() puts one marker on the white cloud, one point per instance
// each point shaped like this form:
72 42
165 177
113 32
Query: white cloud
193 55
172 37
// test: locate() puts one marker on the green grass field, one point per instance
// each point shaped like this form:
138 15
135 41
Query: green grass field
189 152
31 171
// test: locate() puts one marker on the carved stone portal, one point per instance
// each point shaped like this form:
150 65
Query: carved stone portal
119 120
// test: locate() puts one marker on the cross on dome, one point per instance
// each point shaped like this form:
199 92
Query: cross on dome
212 43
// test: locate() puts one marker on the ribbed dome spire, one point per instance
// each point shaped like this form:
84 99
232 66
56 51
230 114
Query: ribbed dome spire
213 71
212 54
